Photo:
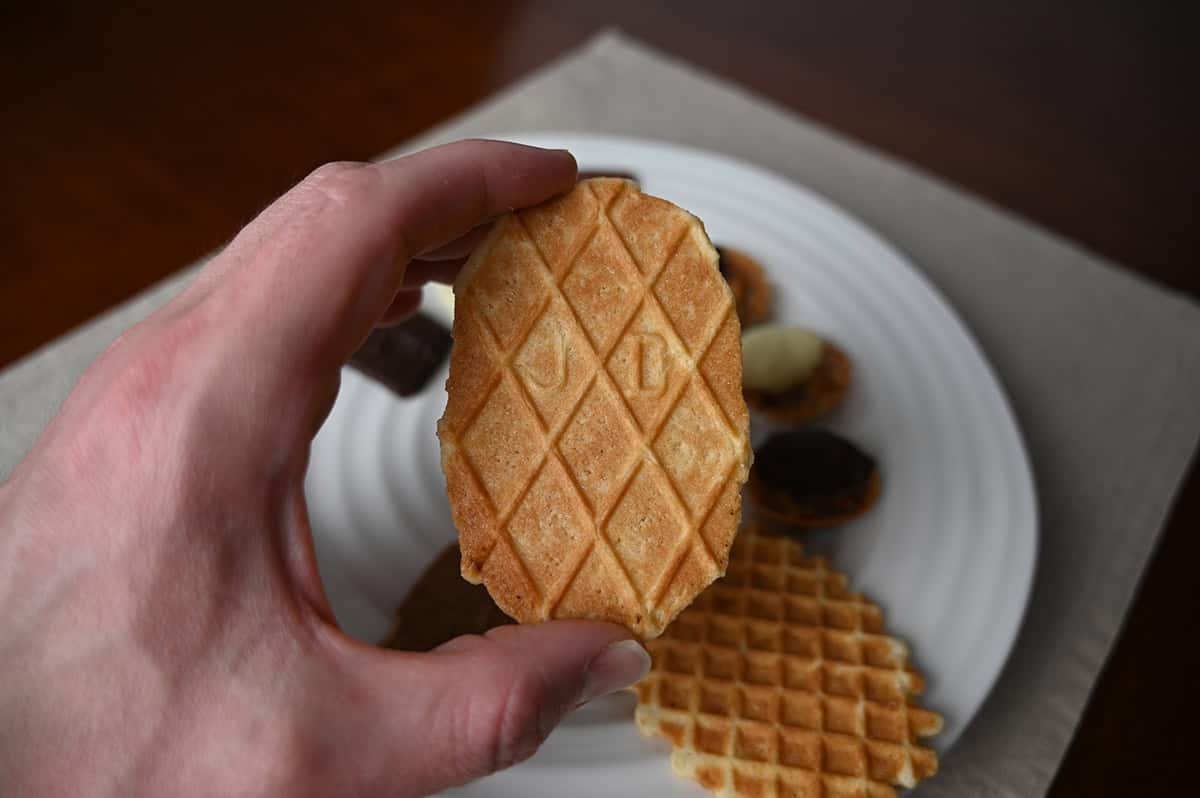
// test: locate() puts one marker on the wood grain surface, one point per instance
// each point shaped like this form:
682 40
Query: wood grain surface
139 137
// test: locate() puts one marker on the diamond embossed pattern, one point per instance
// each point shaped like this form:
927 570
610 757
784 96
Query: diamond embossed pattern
595 454
779 682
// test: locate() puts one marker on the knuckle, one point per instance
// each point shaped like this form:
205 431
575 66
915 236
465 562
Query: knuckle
503 720
334 170
343 183
517 728
145 378
114 431
138 384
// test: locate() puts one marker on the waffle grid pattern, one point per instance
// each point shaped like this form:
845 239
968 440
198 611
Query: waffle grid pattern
645 426
779 682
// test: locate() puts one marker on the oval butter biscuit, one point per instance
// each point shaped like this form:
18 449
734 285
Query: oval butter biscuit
595 439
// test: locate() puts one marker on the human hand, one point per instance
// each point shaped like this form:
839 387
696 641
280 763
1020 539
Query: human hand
163 629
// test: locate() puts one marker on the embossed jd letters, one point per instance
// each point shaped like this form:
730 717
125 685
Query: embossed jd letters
548 369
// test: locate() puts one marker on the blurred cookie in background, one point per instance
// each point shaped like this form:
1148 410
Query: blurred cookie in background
791 375
747 279
812 478
442 606
405 356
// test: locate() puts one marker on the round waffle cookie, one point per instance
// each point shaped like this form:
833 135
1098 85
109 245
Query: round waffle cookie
595 438
778 683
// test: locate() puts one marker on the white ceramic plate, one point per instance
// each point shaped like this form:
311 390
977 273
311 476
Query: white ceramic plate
948 552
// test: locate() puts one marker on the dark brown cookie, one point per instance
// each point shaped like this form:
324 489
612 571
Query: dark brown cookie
404 357
442 606
812 478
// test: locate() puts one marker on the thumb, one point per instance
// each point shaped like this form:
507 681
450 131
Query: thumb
479 704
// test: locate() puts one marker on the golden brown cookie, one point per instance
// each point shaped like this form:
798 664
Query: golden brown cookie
779 681
595 438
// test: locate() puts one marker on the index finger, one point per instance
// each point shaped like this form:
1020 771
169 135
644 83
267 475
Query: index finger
308 279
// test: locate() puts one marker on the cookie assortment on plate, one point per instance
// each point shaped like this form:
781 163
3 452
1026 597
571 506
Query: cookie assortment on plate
595 443
803 476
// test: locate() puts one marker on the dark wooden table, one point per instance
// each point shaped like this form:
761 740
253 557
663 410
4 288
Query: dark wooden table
139 138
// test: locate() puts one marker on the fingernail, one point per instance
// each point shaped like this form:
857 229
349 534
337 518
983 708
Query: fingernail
621 665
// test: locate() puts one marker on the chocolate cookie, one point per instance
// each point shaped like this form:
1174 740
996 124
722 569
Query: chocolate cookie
812 478
442 606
